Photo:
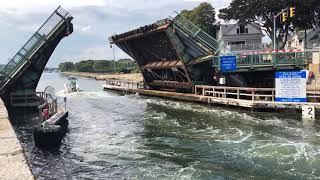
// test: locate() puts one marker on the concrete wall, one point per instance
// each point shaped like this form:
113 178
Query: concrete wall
13 163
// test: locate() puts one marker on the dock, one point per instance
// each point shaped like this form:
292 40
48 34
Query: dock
253 99
12 159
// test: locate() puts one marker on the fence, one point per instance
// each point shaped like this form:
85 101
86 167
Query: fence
26 98
125 84
270 59
244 93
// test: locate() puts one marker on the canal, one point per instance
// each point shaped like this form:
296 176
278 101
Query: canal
112 136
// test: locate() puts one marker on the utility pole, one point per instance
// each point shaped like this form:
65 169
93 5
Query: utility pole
114 58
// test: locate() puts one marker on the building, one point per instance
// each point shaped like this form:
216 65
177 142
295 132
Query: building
240 37
297 40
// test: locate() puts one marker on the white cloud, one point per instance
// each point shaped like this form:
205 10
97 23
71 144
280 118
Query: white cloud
86 28
36 6
94 21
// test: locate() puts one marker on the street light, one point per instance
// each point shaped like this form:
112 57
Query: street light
114 58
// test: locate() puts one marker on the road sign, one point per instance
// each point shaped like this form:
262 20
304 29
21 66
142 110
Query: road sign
291 86
228 63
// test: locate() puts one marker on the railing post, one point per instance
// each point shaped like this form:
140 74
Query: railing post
252 94
225 92
203 90
272 96
238 93
213 91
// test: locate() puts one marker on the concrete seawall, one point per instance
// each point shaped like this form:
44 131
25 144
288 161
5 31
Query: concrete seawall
12 160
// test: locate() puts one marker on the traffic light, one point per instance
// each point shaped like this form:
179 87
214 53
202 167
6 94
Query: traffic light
292 11
284 17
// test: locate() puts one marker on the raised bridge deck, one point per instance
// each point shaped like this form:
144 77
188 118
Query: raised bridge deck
23 71
176 54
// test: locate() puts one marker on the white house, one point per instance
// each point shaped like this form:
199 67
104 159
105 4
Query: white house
297 40
241 36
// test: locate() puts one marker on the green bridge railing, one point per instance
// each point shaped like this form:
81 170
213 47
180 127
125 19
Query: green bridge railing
251 61
33 44
183 24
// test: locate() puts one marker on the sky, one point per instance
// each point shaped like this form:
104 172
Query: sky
94 21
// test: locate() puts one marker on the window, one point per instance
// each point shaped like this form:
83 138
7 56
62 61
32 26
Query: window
242 30
236 42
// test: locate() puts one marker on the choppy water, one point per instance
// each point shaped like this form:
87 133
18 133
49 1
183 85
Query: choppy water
132 137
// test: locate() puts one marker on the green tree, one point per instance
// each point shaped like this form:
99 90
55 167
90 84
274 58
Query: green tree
204 17
102 66
66 66
84 66
262 12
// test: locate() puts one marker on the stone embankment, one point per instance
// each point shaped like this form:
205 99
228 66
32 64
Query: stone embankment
12 159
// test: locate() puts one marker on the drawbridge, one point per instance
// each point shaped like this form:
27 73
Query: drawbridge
168 53
20 77
176 54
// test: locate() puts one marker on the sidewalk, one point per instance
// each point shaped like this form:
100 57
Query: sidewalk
12 160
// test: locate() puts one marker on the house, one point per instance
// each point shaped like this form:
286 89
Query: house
240 37
297 40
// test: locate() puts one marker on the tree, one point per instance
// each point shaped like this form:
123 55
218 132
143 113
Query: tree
203 16
262 12
102 66
84 66
66 66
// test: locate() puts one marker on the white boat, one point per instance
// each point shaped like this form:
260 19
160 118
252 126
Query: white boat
71 85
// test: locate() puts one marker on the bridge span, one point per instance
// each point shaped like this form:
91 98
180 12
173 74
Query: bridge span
175 54
20 77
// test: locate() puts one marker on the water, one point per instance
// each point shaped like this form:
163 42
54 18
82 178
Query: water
132 137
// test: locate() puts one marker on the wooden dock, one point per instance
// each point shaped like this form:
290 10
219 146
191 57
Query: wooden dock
259 99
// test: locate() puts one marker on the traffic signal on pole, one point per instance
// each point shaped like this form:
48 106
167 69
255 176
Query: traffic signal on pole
292 11
284 17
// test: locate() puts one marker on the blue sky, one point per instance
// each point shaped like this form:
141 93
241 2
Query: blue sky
94 21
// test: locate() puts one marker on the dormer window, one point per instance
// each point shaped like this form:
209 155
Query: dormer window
242 29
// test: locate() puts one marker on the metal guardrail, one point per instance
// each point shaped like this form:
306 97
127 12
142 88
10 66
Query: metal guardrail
125 84
38 38
247 47
244 93
183 24
271 59
26 99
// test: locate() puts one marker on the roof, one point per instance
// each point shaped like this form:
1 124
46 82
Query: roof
225 28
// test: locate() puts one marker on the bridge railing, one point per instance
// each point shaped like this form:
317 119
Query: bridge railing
125 84
182 23
38 38
243 93
271 59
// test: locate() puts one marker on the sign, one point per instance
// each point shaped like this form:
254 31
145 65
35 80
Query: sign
291 86
308 112
228 63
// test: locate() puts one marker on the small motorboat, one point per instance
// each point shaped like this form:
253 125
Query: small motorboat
72 85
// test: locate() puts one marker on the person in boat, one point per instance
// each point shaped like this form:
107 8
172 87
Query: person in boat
72 85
